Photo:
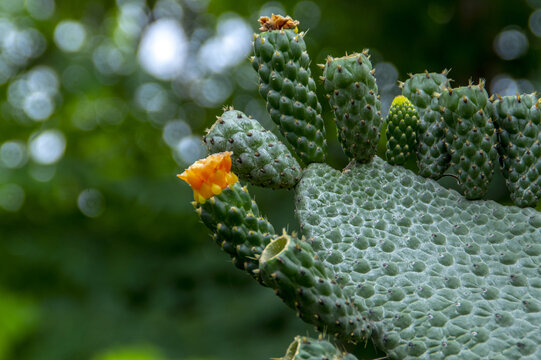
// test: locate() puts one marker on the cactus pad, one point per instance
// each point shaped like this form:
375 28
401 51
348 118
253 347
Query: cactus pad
353 94
286 83
519 124
438 276
471 137
257 154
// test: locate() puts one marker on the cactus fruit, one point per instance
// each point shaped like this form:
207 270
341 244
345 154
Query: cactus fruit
471 137
229 211
438 276
257 154
401 130
518 119
423 90
303 348
289 266
285 82
353 94
386 255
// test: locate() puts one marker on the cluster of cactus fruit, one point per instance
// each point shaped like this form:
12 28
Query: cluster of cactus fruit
385 255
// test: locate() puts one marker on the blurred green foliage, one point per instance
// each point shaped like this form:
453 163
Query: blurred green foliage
99 245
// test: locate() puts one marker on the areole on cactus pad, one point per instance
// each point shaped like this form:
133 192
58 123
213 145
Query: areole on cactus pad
384 255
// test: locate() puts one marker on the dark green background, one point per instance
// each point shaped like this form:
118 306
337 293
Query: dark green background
143 280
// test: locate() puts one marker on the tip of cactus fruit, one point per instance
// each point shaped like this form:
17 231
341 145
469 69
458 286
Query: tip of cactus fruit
209 176
277 22
400 100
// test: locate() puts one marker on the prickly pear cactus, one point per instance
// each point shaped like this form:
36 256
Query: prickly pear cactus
385 255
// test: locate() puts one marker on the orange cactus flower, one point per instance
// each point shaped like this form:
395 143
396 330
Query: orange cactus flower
209 176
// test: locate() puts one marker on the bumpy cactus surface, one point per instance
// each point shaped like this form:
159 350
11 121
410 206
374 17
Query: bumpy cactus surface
384 255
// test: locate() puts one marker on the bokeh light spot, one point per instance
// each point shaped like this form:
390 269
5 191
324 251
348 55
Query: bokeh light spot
38 106
189 150
151 97
11 197
48 147
69 35
91 203
163 49
175 131
13 154
503 85
40 9
510 44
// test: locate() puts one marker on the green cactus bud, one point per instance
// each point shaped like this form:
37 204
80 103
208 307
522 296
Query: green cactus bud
518 119
439 277
353 95
290 266
285 82
471 138
423 91
402 123
258 156
304 348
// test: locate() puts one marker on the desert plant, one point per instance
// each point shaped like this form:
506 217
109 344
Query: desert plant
385 255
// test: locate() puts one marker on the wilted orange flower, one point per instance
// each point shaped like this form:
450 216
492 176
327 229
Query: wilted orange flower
209 176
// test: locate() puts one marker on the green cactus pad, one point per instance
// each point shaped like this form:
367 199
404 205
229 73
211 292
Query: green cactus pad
423 91
401 130
353 94
439 277
304 348
471 138
258 156
518 119
286 83
238 228
290 266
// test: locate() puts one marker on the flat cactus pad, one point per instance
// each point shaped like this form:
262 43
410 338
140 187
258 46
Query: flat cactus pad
436 276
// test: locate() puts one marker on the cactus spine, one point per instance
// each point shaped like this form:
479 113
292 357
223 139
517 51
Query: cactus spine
353 94
285 82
